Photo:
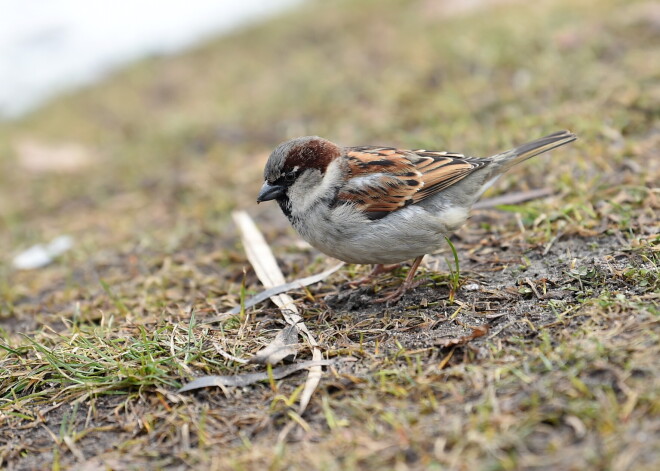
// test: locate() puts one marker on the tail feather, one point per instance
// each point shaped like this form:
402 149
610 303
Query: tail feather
505 160
512 157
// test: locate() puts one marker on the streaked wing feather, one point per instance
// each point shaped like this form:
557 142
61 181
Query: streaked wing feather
384 179
440 177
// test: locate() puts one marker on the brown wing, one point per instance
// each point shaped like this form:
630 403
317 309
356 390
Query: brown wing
384 179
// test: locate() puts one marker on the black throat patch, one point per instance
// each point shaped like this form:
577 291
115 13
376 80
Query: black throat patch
285 206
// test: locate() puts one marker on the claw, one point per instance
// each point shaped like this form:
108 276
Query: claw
405 286
377 270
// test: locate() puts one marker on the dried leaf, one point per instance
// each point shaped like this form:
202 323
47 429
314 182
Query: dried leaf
313 380
477 332
285 344
300 283
247 379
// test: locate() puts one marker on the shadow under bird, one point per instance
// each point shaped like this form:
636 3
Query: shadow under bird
382 205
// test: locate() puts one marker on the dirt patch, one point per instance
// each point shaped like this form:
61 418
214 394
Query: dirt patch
535 292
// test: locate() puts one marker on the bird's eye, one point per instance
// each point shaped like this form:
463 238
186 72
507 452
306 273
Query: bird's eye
290 177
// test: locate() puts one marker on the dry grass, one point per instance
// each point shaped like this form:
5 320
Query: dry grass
95 345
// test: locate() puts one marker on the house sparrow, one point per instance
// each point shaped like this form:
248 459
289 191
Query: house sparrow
382 205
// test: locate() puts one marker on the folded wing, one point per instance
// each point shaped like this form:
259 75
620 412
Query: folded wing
384 179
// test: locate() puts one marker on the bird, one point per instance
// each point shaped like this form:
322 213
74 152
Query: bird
383 205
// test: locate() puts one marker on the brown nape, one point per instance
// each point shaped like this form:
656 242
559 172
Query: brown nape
315 153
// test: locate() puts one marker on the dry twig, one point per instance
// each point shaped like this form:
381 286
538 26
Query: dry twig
266 268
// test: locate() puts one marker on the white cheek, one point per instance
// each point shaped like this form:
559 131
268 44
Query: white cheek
310 188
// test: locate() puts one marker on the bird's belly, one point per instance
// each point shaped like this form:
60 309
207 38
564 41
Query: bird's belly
398 237
379 251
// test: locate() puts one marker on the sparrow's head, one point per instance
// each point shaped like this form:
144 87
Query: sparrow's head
298 164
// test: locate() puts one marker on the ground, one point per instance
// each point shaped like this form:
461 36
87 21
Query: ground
540 352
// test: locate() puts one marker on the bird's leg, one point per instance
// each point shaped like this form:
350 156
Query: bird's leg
378 269
405 286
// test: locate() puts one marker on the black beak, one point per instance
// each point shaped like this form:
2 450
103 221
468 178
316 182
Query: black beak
270 192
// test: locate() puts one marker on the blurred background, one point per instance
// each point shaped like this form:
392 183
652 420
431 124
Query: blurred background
135 130
47 47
